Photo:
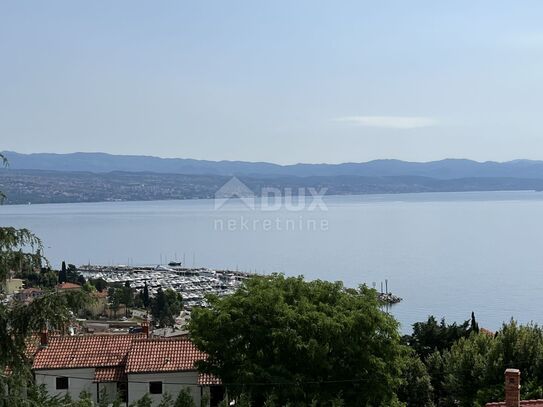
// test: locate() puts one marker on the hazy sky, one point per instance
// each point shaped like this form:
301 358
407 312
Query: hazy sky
282 81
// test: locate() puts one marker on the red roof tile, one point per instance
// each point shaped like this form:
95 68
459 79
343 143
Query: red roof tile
66 352
68 286
110 374
208 379
162 355
114 356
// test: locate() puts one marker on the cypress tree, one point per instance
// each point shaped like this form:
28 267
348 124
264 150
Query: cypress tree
474 324
145 296
62 275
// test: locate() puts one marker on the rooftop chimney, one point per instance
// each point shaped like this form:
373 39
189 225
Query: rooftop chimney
512 388
145 326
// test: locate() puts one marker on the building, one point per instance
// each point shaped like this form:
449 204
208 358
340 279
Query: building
72 364
64 287
99 304
14 285
158 366
512 392
126 366
29 294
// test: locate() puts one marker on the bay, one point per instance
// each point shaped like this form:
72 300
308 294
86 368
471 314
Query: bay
445 254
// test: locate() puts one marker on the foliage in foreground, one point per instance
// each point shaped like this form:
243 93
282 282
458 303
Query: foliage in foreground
298 341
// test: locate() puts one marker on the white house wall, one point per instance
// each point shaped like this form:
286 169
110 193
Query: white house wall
172 383
78 380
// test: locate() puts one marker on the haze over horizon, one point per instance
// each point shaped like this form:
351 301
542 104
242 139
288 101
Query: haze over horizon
279 82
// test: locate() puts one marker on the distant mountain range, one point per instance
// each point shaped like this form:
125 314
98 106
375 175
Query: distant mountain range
93 177
444 169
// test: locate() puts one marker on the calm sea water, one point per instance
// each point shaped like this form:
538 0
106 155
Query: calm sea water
446 254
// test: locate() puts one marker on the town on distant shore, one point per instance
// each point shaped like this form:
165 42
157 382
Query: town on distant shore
97 177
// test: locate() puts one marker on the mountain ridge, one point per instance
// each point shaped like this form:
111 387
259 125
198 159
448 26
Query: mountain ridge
99 162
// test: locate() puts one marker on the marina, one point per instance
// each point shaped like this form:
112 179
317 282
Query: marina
192 283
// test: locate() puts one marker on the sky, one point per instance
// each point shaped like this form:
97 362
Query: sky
279 81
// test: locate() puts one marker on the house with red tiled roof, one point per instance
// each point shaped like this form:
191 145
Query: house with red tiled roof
68 287
126 366
158 366
512 393
72 364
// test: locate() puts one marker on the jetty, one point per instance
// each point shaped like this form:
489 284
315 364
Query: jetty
385 296
389 298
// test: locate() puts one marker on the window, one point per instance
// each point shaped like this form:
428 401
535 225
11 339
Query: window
155 387
62 383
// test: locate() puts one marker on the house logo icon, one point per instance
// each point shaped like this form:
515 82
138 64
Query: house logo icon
234 189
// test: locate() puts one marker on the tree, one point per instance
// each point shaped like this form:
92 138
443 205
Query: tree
416 389
77 301
474 326
127 296
184 399
80 280
175 305
166 401
85 400
114 300
62 276
430 336
46 278
166 306
20 250
465 368
159 308
303 340
17 324
471 371
145 296
104 399
99 283
120 295
145 401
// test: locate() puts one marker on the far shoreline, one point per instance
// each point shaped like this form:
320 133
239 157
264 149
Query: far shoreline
326 197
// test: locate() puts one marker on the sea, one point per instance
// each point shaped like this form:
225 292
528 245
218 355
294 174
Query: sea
444 254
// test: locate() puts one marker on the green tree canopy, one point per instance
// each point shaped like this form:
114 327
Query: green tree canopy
301 341
472 370
166 306
20 251
431 336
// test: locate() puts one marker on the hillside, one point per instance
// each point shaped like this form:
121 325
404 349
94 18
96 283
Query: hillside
103 163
